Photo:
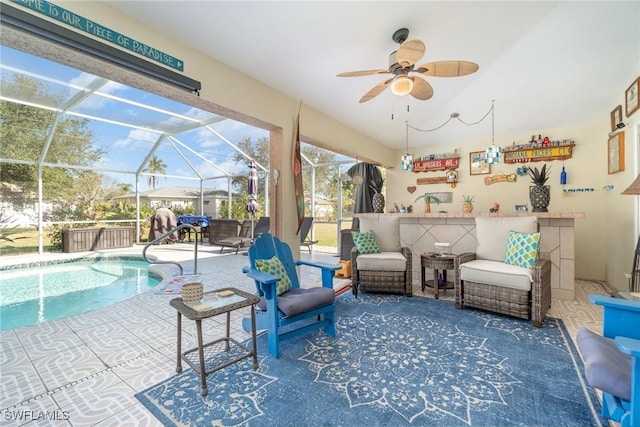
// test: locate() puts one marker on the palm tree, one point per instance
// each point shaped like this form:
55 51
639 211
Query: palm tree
156 166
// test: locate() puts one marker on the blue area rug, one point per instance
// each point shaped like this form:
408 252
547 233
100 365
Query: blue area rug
396 361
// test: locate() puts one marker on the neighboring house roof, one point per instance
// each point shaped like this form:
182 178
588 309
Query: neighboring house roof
177 192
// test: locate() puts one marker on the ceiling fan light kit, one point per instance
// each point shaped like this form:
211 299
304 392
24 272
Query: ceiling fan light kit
402 62
402 85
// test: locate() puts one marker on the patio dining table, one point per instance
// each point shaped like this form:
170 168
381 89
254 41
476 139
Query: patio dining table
200 221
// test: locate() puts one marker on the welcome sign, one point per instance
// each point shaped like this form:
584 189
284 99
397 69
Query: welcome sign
90 27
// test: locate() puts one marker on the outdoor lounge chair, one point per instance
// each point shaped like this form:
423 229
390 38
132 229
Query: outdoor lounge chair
378 261
612 360
282 301
243 239
305 240
505 274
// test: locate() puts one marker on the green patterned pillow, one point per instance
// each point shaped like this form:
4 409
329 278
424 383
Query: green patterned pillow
522 249
274 266
365 242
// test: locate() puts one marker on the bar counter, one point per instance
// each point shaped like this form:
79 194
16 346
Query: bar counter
419 231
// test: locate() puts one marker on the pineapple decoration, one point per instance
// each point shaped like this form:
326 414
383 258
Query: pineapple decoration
377 201
539 193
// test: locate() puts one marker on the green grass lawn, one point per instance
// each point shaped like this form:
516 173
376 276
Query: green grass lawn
326 234
25 240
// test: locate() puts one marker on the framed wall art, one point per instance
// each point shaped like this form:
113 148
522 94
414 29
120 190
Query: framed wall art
476 166
631 98
616 117
616 153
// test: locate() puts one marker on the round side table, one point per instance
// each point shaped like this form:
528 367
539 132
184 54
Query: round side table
439 263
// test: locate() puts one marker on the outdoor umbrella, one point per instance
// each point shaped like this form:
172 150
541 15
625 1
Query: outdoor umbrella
252 189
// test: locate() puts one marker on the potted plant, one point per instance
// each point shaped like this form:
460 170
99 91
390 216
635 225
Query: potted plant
428 198
467 203
539 193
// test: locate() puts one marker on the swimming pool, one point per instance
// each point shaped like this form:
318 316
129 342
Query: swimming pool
41 293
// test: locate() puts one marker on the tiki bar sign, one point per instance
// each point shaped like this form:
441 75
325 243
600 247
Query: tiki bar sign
538 154
435 165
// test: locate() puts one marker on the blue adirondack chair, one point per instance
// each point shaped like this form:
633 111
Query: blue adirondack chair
612 360
277 314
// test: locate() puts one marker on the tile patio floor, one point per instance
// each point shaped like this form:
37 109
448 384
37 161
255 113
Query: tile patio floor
88 367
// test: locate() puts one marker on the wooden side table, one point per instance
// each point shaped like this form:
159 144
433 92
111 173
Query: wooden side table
438 263
219 305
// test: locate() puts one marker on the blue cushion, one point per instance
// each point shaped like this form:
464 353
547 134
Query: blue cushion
298 301
606 367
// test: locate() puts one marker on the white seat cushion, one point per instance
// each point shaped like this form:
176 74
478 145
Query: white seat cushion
385 261
496 273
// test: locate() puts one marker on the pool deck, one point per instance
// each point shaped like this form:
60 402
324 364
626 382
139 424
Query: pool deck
86 369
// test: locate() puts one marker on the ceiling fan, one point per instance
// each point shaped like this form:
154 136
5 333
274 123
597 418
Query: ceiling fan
402 66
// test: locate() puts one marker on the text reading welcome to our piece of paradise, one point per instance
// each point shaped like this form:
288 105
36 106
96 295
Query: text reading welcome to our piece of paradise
67 17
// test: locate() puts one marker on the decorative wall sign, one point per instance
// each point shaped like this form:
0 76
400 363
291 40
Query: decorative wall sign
435 165
560 152
500 178
100 31
433 180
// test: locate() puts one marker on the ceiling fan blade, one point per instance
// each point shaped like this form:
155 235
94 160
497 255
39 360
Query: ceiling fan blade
362 73
409 52
448 68
377 90
422 90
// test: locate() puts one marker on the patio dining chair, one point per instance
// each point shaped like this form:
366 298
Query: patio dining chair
283 303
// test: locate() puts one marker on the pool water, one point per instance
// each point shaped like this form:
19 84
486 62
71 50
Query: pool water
38 294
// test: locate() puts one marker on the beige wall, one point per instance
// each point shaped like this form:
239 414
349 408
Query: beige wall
605 239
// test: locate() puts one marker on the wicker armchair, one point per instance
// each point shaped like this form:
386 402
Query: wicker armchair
484 280
388 271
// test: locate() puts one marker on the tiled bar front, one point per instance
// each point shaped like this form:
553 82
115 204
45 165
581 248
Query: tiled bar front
420 231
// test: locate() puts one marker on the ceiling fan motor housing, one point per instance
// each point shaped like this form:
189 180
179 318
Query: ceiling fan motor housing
393 63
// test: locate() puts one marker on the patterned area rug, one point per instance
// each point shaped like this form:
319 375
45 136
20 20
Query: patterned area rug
396 361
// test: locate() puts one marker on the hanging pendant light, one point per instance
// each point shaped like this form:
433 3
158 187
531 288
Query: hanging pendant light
493 152
406 162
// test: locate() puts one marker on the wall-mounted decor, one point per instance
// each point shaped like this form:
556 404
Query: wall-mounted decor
579 190
556 150
616 117
477 165
444 197
500 178
631 98
411 189
433 180
436 164
616 153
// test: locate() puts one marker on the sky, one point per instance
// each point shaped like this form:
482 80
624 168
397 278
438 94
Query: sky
127 146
